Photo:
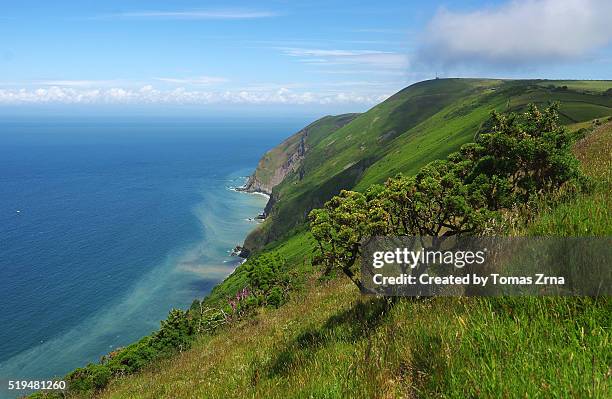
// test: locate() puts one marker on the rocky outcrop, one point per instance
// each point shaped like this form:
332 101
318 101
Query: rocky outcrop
277 163
287 157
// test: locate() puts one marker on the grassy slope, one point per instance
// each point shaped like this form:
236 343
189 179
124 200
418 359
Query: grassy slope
587 214
330 342
423 122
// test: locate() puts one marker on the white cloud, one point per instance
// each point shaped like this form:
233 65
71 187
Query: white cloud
518 33
196 14
382 59
150 95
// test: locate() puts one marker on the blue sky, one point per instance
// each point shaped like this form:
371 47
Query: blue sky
320 56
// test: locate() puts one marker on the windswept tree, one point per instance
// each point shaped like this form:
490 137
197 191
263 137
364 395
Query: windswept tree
436 202
339 228
522 156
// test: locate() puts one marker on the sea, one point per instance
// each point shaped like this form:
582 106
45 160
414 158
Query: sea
106 224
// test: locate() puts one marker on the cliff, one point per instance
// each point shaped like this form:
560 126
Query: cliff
287 157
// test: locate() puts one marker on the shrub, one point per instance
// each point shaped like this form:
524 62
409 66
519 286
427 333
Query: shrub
268 279
175 334
90 378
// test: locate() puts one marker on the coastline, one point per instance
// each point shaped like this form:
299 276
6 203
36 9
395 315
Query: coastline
266 195
243 189
239 250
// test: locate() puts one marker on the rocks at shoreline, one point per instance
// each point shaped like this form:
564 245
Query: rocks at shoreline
247 189
240 251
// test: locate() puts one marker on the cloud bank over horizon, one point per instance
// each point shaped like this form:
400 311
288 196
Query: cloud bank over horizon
148 94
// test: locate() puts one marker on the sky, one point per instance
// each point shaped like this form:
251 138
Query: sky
273 57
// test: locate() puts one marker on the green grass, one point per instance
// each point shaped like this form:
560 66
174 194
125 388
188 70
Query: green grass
597 86
334 344
576 111
328 341
588 214
588 124
503 347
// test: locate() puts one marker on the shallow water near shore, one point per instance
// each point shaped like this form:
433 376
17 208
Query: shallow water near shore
101 235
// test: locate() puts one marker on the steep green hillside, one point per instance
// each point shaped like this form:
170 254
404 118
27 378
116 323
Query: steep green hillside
423 122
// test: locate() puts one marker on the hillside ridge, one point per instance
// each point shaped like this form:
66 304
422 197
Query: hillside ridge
421 123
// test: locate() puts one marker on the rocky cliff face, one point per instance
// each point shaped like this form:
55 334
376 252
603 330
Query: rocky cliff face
277 163
286 158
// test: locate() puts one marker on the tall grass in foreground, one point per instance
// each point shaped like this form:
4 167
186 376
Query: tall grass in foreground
335 344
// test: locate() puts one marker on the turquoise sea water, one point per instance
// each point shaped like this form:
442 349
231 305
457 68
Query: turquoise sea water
106 226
